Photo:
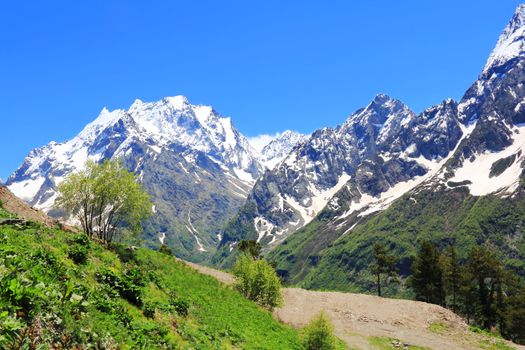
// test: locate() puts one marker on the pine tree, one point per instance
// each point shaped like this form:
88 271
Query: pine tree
452 274
487 272
427 275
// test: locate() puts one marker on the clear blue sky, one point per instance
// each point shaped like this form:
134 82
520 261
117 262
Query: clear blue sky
270 65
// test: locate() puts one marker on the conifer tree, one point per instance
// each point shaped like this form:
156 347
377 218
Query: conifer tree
427 275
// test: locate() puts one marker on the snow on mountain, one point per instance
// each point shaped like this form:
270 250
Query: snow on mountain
511 43
278 148
161 124
272 149
374 149
494 172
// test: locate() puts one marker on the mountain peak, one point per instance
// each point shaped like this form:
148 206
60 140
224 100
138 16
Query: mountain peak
378 111
381 98
179 101
511 43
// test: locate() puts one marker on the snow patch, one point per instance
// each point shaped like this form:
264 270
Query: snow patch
478 170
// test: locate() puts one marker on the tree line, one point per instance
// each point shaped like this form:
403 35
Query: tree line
477 287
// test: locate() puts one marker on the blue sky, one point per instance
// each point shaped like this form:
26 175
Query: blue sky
270 65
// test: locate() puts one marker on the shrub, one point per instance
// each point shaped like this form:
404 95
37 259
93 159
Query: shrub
149 310
181 306
129 285
125 254
80 239
164 249
257 281
318 334
78 253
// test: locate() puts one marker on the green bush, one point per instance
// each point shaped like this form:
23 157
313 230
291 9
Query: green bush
78 253
125 254
149 310
257 281
181 306
318 334
80 239
164 249
129 285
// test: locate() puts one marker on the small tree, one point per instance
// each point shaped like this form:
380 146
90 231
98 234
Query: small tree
105 198
257 281
250 247
318 334
384 263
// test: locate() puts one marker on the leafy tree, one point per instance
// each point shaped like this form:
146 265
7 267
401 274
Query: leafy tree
318 334
427 275
384 263
106 199
257 281
250 247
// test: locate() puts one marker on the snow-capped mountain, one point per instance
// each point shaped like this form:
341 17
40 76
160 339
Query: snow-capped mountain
372 154
157 125
472 194
384 151
195 164
511 43
279 147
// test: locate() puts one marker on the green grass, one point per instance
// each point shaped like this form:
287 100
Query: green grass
492 341
438 327
43 290
4 213
495 345
386 343
478 330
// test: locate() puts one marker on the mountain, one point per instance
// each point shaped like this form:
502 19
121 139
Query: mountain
195 164
452 174
372 156
278 148
473 193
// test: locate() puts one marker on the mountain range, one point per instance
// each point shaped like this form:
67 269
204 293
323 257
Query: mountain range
194 163
451 174
317 204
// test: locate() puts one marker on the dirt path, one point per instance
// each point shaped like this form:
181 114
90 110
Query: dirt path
357 317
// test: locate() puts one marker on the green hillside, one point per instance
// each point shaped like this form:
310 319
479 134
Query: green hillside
119 298
320 256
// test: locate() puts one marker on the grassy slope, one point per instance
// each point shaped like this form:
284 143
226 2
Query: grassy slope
444 218
219 318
